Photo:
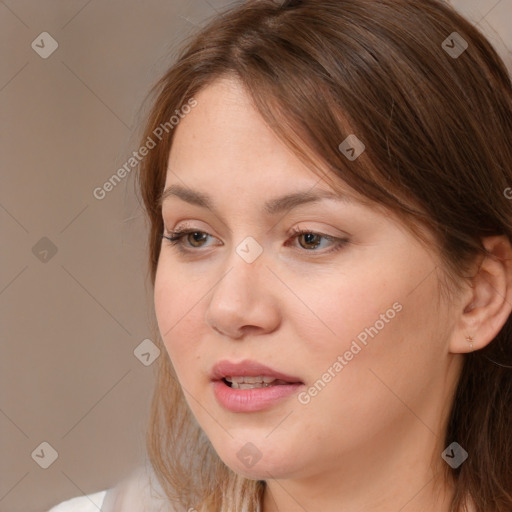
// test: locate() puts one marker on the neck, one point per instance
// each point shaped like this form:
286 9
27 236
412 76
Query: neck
398 492
403 472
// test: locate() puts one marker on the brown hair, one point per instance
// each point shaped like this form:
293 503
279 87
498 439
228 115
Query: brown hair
437 130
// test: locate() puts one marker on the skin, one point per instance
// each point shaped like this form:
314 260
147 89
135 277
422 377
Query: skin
371 439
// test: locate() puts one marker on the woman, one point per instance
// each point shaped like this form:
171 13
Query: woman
329 244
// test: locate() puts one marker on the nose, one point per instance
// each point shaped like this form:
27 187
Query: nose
243 301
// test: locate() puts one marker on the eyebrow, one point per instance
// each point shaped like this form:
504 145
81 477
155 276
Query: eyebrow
271 207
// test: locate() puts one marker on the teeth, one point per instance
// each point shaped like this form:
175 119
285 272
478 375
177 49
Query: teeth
253 382
250 380
243 385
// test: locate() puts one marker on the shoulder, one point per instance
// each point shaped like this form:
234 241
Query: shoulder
87 503
140 491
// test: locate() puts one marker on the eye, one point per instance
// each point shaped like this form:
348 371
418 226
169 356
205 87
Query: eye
308 240
195 237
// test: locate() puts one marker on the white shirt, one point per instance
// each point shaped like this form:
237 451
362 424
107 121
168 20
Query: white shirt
88 503
139 492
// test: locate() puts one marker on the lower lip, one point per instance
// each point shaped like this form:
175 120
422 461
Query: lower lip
251 400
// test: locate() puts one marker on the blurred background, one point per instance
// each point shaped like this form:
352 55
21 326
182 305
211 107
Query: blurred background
76 371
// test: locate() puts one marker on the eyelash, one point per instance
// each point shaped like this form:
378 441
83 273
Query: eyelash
174 238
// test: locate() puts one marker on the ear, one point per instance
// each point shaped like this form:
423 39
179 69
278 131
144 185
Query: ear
487 303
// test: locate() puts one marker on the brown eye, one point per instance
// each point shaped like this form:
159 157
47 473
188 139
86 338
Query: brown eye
196 238
187 238
312 240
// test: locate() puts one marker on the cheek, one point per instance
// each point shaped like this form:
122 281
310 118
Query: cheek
375 320
338 309
178 310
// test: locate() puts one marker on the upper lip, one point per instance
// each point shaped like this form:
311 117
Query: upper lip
248 368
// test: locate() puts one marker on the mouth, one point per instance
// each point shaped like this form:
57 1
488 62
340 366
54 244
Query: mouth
240 382
249 386
250 373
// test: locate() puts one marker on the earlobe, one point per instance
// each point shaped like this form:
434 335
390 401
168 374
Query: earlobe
469 339
488 303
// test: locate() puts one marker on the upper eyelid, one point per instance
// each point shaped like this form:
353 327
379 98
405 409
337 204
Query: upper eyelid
187 225
295 233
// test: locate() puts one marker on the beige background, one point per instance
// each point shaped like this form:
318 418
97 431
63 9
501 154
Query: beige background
71 323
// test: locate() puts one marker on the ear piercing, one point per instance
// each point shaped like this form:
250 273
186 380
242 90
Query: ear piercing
470 339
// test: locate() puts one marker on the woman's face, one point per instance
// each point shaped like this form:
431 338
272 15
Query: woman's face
346 315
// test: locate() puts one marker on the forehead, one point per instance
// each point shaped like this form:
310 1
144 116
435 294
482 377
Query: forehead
225 143
224 131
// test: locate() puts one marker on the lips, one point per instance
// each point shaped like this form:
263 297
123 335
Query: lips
249 368
248 386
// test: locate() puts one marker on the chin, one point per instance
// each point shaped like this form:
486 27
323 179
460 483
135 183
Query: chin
260 471
250 462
